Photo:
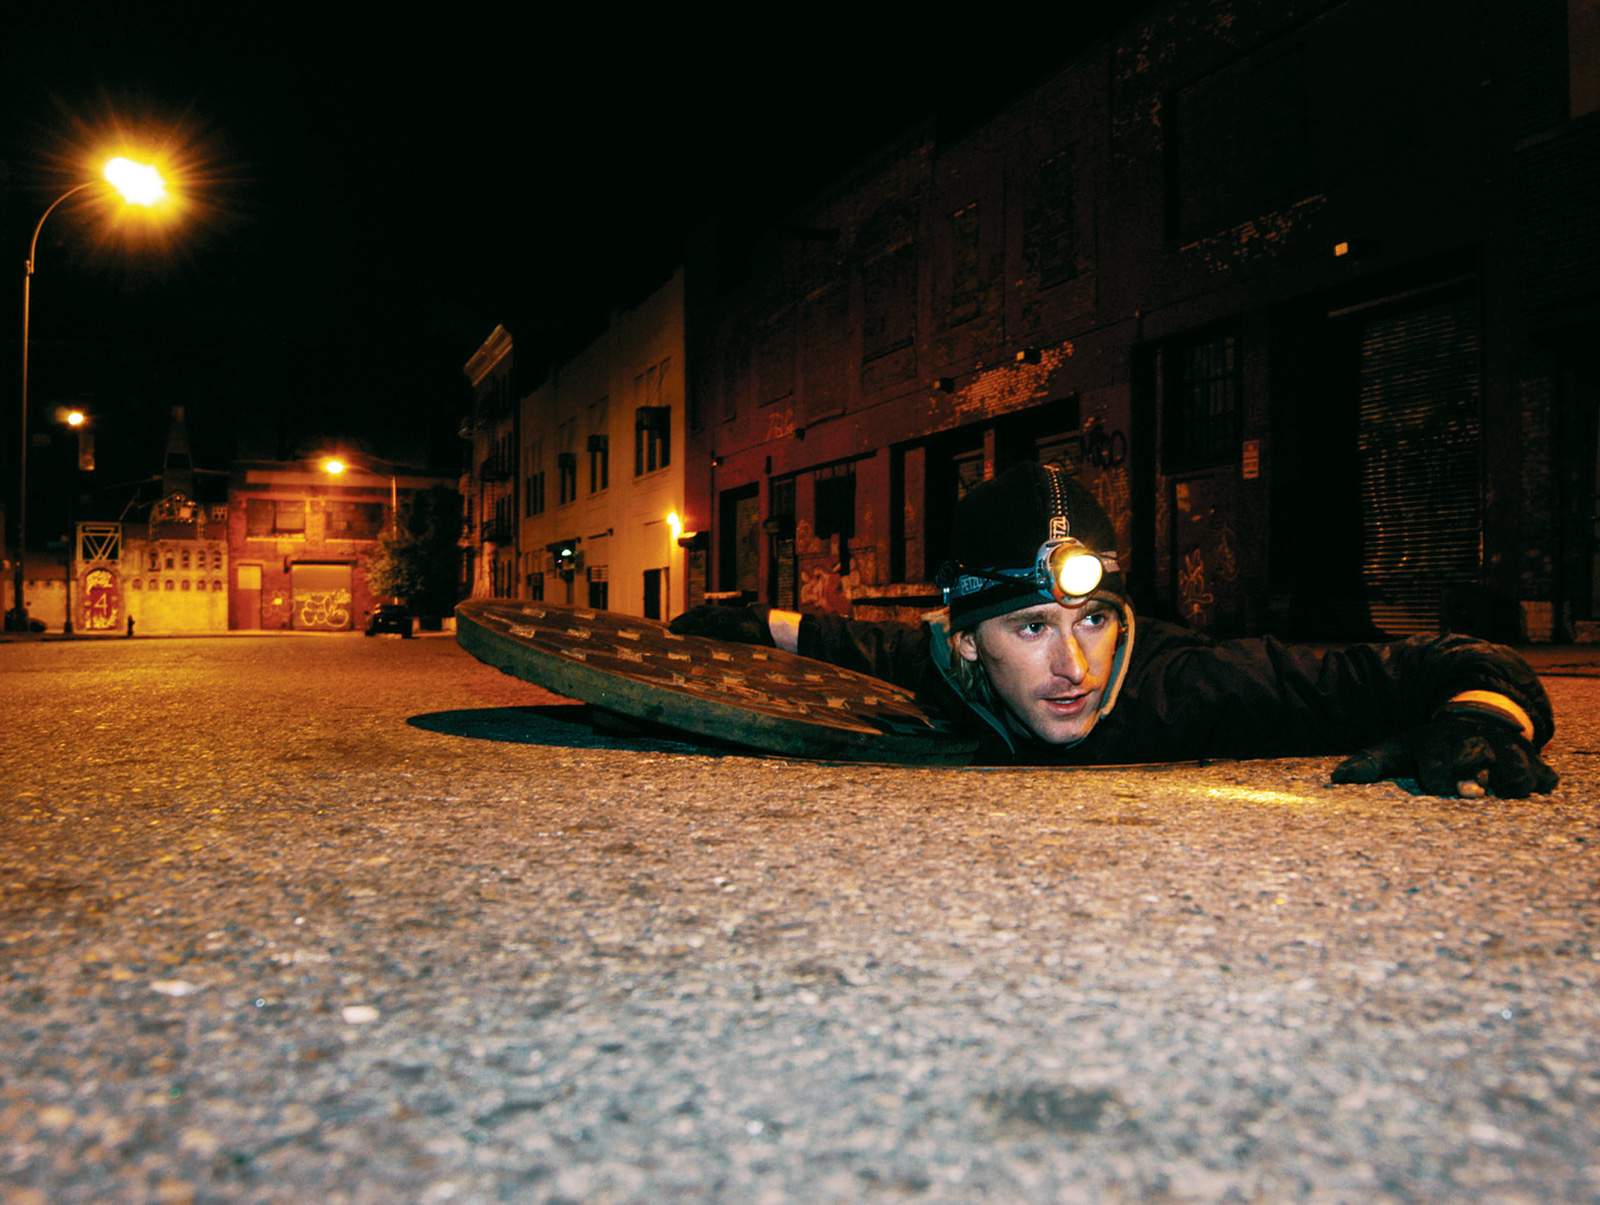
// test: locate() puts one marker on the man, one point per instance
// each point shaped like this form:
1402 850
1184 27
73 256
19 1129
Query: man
1040 652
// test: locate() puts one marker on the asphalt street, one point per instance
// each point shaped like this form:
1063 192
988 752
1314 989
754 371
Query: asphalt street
331 919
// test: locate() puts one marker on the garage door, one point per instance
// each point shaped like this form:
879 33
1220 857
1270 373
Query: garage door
321 596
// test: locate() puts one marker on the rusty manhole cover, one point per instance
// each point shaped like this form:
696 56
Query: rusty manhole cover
760 697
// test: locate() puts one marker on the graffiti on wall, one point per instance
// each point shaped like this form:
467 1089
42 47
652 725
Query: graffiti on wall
102 600
1194 599
322 609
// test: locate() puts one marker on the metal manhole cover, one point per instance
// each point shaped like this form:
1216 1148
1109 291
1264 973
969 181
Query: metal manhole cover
760 697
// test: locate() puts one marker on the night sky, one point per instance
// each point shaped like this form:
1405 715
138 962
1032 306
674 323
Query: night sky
364 201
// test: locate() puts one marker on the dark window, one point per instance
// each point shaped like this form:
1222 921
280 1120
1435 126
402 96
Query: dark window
267 517
652 448
567 465
536 586
599 587
775 362
1237 145
1050 227
1202 401
355 520
887 302
599 463
836 508
534 494
965 284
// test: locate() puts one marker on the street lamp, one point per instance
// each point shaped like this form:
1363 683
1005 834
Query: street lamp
76 420
333 466
137 184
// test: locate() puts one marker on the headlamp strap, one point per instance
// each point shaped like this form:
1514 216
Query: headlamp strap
1060 528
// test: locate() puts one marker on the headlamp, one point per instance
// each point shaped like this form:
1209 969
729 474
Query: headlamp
1066 570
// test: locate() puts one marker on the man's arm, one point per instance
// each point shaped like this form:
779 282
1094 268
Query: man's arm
895 652
1447 709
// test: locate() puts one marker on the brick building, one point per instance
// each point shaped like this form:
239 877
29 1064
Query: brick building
298 538
1304 307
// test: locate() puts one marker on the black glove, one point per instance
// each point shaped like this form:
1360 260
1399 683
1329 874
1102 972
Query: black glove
741 625
1455 755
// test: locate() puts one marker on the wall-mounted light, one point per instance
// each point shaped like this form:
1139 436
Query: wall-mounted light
945 385
676 523
1356 248
716 461
1028 355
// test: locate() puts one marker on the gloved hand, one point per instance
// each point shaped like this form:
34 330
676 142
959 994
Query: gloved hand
741 625
1455 755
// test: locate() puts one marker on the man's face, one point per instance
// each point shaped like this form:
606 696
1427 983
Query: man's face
1050 665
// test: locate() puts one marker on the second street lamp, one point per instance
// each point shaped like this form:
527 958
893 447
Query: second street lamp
335 465
138 184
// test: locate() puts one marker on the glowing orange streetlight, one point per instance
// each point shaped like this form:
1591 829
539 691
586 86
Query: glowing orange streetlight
333 466
138 184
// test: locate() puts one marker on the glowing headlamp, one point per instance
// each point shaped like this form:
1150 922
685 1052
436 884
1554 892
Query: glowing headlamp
1068 570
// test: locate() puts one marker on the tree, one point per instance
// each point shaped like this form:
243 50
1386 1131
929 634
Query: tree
421 564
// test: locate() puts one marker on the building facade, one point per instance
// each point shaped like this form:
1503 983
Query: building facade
489 473
602 468
298 539
1304 309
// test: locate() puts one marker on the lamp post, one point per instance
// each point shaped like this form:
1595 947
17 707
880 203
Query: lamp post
138 184
76 420
334 465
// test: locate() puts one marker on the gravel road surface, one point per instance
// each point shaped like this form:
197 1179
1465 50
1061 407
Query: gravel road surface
334 920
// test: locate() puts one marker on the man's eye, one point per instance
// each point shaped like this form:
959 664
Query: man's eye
1095 619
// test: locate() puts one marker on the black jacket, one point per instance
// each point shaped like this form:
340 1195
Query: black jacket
1187 697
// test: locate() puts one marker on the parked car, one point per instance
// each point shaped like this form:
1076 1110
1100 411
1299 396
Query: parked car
389 617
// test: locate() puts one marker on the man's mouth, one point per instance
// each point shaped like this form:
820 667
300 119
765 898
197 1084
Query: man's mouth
1065 705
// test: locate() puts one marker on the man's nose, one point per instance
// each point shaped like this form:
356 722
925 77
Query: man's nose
1069 661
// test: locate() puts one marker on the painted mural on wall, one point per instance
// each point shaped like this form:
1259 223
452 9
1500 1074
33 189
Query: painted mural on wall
100 592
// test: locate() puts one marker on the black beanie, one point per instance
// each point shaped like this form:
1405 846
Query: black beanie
1000 526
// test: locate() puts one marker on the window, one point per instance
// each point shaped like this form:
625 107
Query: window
567 461
965 285
185 584
599 446
599 587
354 520
1050 226
567 466
533 492
1237 145
216 559
185 555
836 508
652 439
652 420
155 560
269 517
1202 387
536 587
888 302
171 561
